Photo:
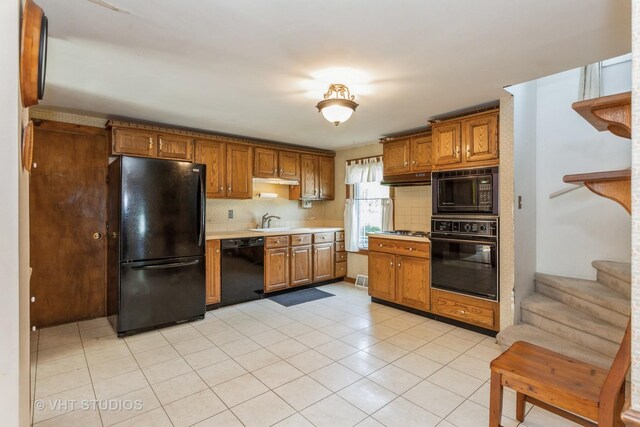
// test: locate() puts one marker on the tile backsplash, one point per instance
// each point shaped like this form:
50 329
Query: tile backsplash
413 208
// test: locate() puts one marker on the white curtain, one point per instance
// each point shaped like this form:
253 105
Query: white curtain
387 214
367 170
351 225
590 86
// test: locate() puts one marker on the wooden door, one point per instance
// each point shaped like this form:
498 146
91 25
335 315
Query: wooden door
131 142
301 265
395 157
421 153
239 180
326 187
289 163
481 138
175 147
382 276
212 154
412 278
265 163
323 262
67 222
213 271
308 176
446 144
276 269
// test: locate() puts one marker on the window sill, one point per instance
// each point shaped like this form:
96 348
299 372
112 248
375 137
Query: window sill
360 252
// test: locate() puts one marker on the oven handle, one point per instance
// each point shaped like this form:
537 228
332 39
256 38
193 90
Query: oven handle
477 242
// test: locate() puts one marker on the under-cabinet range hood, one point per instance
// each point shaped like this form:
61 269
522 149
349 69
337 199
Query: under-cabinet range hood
277 181
407 180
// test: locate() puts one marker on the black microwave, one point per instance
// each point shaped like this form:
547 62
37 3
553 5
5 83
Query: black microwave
468 191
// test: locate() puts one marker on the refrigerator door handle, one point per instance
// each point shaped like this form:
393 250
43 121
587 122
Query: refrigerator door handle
202 202
163 266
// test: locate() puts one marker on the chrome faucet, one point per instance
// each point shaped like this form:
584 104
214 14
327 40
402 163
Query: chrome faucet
266 220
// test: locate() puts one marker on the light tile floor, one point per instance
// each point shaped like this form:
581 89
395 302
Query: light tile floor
338 361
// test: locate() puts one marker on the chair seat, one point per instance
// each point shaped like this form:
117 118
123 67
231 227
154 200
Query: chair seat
551 377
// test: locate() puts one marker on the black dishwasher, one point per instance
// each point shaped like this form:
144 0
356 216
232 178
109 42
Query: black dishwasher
241 270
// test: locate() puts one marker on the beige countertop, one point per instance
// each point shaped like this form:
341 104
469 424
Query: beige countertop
239 234
399 237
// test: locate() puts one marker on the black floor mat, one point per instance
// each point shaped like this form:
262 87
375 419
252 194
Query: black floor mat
299 297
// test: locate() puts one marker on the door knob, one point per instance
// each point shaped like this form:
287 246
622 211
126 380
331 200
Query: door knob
97 236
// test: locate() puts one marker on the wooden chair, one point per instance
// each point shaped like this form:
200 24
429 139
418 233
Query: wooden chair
581 392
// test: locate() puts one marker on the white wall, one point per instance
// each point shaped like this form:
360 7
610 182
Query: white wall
578 227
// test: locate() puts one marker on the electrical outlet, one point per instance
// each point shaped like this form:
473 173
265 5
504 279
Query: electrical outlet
230 214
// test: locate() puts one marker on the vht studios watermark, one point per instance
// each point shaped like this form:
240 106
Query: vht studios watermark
88 405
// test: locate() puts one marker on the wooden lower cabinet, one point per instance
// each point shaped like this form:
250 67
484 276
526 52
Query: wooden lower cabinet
323 262
213 271
276 269
412 277
467 309
382 276
301 265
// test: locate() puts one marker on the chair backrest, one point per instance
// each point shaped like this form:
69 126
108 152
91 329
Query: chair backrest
616 376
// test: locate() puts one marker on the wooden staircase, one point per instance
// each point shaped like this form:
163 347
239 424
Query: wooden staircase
580 318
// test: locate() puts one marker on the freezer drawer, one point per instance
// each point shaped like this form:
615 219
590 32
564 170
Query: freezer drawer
154 293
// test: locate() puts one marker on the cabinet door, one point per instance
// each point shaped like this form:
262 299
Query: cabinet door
481 138
309 176
412 277
239 182
382 276
421 154
326 185
301 265
213 271
265 163
212 155
289 163
446 144
175 147
323 262
276 269
395 157
134 143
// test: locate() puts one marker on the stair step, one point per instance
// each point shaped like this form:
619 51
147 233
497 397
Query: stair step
615 275
537 336
587 295
571 323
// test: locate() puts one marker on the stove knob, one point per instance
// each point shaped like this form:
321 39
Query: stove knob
483 228
467 227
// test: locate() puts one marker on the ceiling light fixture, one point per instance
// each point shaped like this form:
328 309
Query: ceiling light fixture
338 104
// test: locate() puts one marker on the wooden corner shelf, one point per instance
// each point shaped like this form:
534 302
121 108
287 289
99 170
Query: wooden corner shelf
612 113
614 185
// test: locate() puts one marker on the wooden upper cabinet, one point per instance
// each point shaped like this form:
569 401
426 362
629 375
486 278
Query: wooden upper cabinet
480 137
212 154
447 142
382 276
301 265
309 176
175 147
130 142
326 187
289 163
276 269
265 163
396 157
421 153
238 165
323 262
412 276
213 272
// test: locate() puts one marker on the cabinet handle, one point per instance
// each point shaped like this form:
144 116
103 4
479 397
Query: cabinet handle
414 162
150 143
391 264
281 170
461 311
160 143
217 251
399 264
458 151
277 242
380 245
468 150
410 249
275 170
406 163
229 188
221 188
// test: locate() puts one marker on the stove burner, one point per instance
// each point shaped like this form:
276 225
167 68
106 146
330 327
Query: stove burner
408 233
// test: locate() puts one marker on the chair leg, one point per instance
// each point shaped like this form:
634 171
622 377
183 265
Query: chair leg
520 401
495 402
617 422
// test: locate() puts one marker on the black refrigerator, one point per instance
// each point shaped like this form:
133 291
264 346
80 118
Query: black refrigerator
156 243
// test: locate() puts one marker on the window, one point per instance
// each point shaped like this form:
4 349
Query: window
370 198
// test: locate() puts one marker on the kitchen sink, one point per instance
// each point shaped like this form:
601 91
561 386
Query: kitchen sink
271 230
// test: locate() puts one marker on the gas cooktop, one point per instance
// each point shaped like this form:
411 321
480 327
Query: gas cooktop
408 233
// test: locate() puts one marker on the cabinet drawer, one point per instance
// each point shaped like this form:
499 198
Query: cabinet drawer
341 256
466 309
323 237
276 242
300 239
400 247
341 269
339 236
339 246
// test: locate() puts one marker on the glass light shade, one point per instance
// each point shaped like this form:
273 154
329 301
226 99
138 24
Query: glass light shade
337 114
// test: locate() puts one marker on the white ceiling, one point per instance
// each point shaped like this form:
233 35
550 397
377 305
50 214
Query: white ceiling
255 68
